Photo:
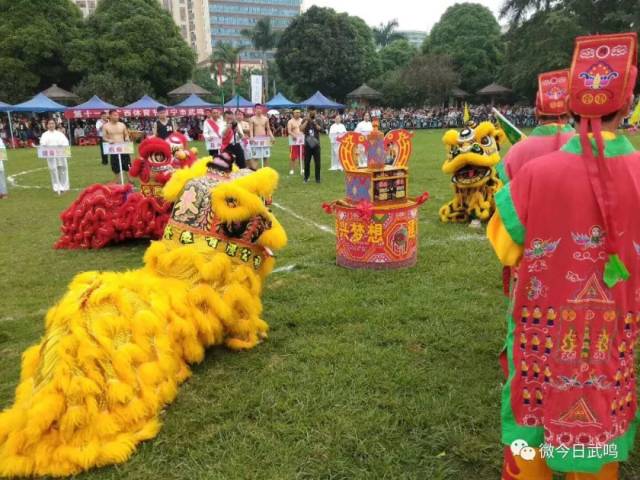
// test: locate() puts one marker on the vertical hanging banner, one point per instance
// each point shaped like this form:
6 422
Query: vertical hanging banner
256 88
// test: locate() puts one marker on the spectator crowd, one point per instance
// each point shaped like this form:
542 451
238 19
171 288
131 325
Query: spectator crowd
28 129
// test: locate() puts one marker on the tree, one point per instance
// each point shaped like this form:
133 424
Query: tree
593 16
385 34
552 29
470 34
264 39
117 90
226 56
35 45
135 40
397 54
551 32
324 50
516 10
426 79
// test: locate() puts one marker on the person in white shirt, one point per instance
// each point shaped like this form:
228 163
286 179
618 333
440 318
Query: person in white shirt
58 167
78 132
336 130
365 127
213 131
104 118
3 181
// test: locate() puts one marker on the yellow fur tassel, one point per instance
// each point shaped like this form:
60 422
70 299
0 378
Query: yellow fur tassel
118 345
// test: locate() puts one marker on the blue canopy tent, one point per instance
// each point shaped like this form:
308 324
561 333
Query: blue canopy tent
5 107
318 100
239 102
194 101
38 104
280 101
145 107
92 108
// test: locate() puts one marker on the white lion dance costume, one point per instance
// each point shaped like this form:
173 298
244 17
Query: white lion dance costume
118 345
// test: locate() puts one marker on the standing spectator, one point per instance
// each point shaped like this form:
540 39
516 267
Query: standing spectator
78 132
58 167
296 152
246 133
260 127
116 132
163 126
3 182
233 135
213 130
104 118
311 130
335 131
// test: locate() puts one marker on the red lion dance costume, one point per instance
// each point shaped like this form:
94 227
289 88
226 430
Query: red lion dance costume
106 214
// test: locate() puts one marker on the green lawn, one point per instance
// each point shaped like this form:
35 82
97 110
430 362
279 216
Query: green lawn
365 375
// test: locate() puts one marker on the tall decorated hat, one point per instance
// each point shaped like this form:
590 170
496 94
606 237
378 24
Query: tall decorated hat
603 74
553 89
601 82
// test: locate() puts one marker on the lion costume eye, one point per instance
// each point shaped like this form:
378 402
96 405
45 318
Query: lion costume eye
486 141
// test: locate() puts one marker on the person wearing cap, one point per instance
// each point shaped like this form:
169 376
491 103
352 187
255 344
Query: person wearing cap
259 127
553 130
568 221
213 130
296 152
163 126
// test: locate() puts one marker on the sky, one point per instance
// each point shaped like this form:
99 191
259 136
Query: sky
411 14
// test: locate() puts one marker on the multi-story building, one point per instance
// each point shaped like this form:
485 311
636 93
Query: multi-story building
415 37
229 17
87 7
191 16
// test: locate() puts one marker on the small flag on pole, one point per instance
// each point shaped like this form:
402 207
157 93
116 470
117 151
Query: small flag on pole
467 114
510 130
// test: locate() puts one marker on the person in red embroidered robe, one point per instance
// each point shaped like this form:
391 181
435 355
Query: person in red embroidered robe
565 221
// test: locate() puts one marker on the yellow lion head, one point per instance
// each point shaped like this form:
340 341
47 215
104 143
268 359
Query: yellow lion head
473 152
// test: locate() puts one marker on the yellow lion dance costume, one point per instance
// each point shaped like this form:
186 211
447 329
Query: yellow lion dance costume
118 345
473 154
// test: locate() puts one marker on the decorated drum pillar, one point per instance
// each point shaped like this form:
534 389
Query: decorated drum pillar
377 222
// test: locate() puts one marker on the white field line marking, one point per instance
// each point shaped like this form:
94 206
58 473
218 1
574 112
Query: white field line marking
466 237
13 182
319 226
286 269
11 318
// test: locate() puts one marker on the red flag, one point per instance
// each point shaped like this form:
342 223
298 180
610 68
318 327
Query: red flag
219 73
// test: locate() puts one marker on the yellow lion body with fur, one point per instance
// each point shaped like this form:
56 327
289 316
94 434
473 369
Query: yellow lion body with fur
118 345
472 157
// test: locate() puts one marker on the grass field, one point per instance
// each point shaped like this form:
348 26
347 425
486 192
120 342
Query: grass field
365 375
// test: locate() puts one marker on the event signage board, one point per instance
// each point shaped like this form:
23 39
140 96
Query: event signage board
214 143
296 140
46 152
124 148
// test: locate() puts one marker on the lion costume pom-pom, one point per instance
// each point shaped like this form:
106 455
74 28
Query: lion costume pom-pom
118 345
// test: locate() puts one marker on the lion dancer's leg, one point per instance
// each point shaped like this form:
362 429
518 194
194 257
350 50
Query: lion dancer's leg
517 468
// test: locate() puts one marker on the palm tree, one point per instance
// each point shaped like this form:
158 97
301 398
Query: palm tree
264 39
384 34
516 10
226 54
